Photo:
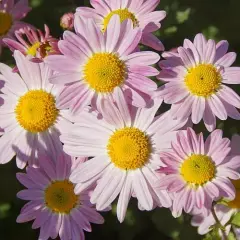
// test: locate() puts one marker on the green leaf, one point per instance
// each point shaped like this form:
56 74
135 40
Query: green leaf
182 16
4 210
236 219
170 30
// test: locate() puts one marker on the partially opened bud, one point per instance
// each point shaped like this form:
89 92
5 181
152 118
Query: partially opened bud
66 21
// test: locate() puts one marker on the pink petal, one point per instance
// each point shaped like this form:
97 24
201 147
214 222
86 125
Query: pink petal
209 118
228 95
129 43
124 198
198 109
187 57
112 33
89 169
227 60
152 41
210 51
143 58
200 43
141 189
221 49
217 107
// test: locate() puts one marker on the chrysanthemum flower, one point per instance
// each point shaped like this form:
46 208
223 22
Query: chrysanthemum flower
37 46
125 145
96 63
198 172
224 212
28 115
54 206
196 76
140 12
10 14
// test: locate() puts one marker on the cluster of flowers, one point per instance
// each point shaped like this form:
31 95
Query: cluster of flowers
83 114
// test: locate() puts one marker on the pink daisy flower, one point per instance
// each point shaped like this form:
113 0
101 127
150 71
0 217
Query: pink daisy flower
10 14
206 224
53 205
94 64
225 213
196 76
198 172
28 115
140 12
38 44
125 145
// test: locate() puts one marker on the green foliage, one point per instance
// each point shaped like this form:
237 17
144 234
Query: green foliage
236 220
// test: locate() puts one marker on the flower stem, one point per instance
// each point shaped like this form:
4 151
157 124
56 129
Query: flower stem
224 235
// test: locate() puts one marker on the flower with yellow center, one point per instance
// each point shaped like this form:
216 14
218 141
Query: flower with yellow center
31 118
52 198
196 77
32 50
124 14
124 145
104 71
6 22
34 43
60 197
94 70
140 14
129 148
198 169
36 111
197 172
203 80
11 12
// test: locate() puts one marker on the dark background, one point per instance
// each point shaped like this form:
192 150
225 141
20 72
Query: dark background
217 19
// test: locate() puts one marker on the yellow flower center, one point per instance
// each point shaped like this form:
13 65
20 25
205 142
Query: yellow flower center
129 148
104 71
33 49
5 23
236 202
60 197
36 111
123 14
203 80
198 169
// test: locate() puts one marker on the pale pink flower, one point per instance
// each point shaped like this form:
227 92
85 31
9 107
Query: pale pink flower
224 212
94 64
53 205
28 113
196 76
125 144
34 43
140 12
66 21
10 14
198 173
206 224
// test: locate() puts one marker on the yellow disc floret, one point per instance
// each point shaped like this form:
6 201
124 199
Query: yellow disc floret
236 202
124 14
129 148
33 49
36 111
104 71
203 80
198 169
60 197
5 23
